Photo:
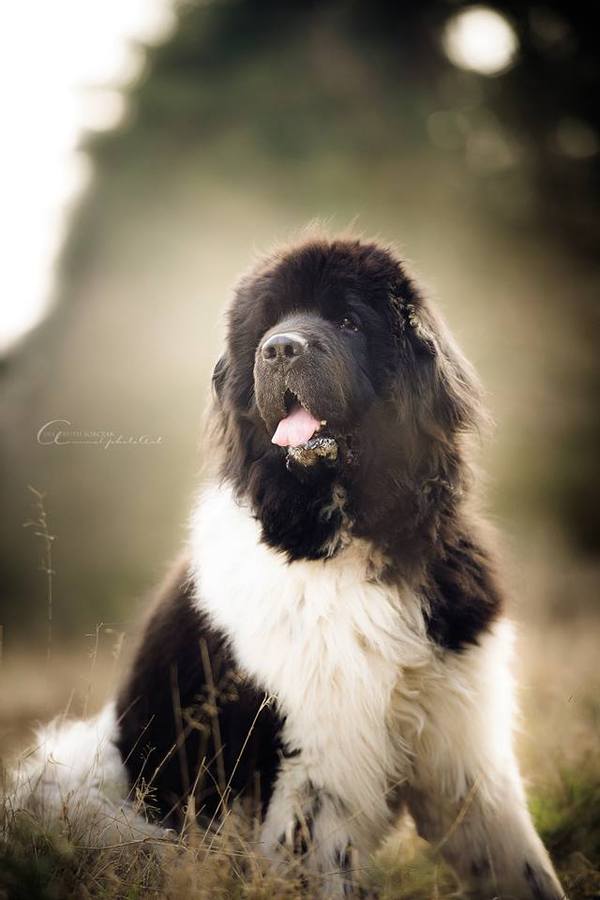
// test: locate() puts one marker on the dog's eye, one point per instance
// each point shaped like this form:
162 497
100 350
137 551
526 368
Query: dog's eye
348 324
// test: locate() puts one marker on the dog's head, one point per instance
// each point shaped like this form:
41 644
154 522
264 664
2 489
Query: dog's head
338 374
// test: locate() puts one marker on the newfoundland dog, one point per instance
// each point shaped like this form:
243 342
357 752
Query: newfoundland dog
332 650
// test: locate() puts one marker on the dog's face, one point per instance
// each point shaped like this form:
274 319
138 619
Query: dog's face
328 351
336 371
313 373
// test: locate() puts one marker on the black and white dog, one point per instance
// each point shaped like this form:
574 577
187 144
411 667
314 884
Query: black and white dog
332 651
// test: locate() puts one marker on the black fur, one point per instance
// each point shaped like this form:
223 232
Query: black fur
462 595
168 708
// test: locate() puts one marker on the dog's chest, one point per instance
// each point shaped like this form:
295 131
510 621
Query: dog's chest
329 643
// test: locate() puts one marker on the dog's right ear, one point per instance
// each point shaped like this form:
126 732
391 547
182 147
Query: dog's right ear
219 376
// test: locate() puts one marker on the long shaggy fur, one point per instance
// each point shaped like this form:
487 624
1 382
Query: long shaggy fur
332 652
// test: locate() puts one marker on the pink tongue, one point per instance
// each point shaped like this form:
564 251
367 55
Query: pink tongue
297 428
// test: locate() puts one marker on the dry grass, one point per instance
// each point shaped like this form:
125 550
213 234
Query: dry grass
558 744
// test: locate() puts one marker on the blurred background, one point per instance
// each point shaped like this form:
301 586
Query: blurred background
150 150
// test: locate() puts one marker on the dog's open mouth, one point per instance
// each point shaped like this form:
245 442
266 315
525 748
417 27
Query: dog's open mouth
298 426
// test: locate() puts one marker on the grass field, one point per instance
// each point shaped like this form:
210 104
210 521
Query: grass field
557 661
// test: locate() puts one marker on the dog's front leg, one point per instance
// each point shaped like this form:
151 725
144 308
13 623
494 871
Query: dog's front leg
310 824
488 839
466 794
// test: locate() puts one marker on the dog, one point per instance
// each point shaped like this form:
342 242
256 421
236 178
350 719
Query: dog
332 651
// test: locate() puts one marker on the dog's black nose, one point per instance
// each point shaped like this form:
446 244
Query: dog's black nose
283 346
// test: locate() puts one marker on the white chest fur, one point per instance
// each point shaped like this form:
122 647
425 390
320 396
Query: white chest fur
323 637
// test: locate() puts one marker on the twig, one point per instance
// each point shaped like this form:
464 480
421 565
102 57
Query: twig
43 532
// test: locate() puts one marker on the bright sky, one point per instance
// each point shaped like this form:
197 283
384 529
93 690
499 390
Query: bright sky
62 63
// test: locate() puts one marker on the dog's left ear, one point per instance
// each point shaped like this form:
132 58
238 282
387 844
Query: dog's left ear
450 382
219 376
